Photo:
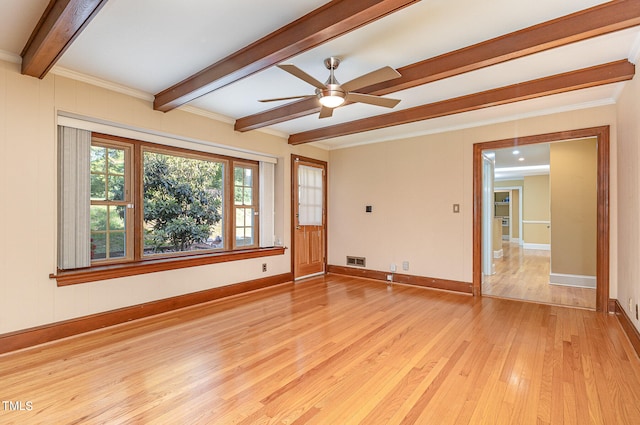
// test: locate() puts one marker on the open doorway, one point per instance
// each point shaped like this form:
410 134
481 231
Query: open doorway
544 216
515 251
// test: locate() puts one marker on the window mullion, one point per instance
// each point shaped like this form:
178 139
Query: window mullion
137 200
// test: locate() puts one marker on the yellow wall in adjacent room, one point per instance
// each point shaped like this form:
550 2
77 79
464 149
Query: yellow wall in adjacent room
536 208
573 177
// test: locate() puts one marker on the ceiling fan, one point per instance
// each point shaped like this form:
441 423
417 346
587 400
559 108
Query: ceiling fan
333 94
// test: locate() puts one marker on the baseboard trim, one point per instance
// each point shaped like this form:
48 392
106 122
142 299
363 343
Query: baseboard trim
38 335
427 282
498 254
627 325
574 280
540 246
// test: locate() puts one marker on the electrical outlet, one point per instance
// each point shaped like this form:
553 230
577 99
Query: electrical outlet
393 268
637 312
405 265
264 267
390 277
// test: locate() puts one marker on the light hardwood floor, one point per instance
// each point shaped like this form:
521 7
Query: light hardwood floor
524 275
335 350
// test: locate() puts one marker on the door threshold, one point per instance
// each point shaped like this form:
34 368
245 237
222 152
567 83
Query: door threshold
309 275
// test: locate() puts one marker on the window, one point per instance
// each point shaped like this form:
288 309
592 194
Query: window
183 202
111 213
151 201
245 204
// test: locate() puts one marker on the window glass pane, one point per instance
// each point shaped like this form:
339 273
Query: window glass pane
116 245
310 194
238 195
98 186
248 177
239 217
248 217
237 176
98 218
98 155
248 196
98 246
117 217
116 161
240 240
116 188
182 203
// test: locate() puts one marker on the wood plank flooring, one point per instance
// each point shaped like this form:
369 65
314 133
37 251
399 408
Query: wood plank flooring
524 275
334 350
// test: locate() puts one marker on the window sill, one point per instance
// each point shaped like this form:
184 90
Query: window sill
92 274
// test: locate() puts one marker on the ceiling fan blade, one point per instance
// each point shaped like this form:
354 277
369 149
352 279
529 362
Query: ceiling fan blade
297 72
372 100
374 77
325 112
287 98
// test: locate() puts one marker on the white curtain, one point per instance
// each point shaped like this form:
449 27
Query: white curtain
267 204
74 177
310 196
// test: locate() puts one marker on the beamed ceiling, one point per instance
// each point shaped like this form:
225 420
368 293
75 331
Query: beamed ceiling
463 63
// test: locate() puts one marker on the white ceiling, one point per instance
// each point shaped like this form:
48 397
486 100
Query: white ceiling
149 45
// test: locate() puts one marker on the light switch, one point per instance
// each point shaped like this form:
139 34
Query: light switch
456 208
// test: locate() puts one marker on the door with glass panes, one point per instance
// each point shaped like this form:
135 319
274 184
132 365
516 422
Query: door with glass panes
309 216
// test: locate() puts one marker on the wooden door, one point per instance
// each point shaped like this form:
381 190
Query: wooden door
309 217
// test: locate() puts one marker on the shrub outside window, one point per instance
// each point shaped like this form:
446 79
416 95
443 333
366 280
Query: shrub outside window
183 203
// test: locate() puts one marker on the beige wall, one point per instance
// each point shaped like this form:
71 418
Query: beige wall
28 111
535 208
573 178
628 213
412 184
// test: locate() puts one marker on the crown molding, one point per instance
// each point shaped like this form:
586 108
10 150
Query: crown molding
10 57
119 88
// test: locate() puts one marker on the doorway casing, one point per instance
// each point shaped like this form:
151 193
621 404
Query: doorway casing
602 240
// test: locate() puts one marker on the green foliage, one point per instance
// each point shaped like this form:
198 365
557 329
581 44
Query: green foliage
182 200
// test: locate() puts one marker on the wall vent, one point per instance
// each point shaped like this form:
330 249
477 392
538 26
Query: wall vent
356 261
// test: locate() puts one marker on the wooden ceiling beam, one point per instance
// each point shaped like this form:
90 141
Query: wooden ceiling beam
331 20
561 83
592 22
60 24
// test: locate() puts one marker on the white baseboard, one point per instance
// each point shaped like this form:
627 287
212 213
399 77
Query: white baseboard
516 240
542 246
576 280
498 254
505 237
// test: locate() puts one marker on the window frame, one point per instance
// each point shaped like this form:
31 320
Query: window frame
139 263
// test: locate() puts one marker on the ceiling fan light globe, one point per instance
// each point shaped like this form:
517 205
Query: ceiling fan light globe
331 101
331 97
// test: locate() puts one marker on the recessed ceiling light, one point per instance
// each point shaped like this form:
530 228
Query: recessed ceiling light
521 159
516 152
